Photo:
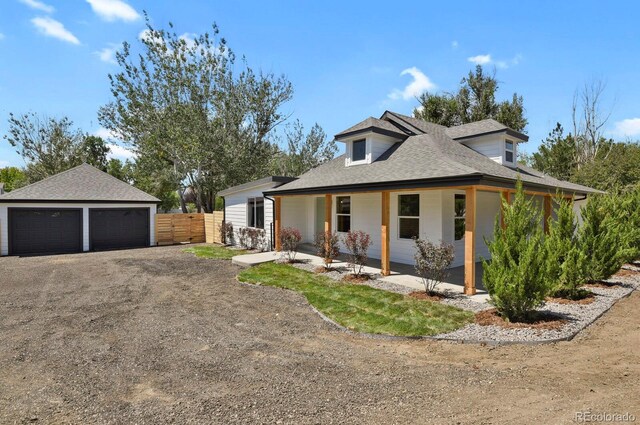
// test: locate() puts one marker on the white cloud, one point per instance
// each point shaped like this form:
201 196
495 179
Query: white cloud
420 84
4 164
108 54
118 152
105 134
480 59
52 28
145 35
454 44
1 36
629 127
113 10
38 5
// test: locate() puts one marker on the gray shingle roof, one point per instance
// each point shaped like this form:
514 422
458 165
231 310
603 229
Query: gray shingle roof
481 127
433 155
278 180
372 124
83 183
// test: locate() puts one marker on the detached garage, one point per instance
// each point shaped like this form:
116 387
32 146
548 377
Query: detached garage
81 209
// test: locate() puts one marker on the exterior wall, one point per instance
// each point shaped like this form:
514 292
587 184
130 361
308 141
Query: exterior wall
4 219
366 215
296 213
493 146
235 206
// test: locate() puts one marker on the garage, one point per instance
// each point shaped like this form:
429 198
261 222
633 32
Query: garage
44 231
117 228
81 209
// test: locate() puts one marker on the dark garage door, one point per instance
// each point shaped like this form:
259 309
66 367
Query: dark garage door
44 231
113 228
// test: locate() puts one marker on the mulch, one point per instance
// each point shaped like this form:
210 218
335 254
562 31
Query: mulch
351 278
544 321
422 295
587 299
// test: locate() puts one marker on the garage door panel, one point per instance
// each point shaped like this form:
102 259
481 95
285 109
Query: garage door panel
44 231
114 228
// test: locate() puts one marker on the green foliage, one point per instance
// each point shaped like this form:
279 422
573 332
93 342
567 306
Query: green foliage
360 307
214 252
94 151
514 277
556 155
602 237
613 169
566 263
303 152
12 177
474 101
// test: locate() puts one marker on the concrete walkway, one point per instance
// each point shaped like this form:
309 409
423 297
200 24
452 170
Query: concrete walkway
401 274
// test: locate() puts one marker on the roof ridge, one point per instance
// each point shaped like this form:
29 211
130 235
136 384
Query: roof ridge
45 179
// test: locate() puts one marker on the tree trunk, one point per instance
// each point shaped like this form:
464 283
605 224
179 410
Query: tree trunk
183 205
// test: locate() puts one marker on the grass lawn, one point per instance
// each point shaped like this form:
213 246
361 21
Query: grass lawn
216 252
360 307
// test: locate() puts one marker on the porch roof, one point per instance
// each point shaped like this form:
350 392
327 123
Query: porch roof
422 160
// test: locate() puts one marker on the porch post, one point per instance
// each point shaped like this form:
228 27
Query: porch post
547 213
385 267
505 196
278 223
328 199
470 242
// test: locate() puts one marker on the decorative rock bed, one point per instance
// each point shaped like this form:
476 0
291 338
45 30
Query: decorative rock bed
576 316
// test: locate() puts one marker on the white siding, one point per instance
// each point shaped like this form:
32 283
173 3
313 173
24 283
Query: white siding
295 213
493 146
235 206
377 144
4 227
366 215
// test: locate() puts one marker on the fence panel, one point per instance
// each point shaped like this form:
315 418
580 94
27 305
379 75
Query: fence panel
179 228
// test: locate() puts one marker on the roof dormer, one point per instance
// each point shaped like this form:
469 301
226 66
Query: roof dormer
369 139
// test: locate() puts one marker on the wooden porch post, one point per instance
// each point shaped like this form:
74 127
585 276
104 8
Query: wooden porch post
547 213
278 223
328 209
470 242
506 196
385 267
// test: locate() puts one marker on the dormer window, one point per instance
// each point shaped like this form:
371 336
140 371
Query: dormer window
508 151
359 150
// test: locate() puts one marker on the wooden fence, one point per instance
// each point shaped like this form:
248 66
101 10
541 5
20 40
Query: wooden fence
188 228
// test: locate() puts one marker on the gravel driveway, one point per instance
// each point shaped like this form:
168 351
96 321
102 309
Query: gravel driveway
160 336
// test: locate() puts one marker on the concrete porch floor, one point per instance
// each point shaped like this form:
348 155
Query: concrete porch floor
401 274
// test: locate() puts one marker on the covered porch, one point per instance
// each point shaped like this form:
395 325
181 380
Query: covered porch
461 215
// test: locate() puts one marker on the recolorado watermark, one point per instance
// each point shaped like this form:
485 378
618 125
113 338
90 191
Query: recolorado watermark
604 417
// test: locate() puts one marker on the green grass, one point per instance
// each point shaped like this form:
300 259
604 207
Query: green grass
360 307
215 252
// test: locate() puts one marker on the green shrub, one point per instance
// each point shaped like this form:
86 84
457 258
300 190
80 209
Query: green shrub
432 262
626 210
514 277
565 267
602 237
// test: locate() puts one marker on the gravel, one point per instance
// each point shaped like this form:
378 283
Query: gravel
577 316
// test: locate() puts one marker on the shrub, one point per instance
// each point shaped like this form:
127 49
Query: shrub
226 232
514 277
327 247
602 238
290 238
432 262
252 238
626 209
357 243
565 268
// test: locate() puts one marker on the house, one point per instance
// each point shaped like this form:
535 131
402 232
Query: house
402 177
81 209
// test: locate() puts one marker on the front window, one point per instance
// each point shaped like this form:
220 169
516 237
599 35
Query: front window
460 208
255 213
508 154
359 150
408 216
343 213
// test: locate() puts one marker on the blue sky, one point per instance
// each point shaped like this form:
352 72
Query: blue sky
346 60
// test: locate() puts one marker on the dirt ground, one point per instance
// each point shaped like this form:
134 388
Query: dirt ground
160 336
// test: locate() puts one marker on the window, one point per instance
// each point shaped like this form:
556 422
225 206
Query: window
343 213
460 206
408 216
255 213
508 154
359 150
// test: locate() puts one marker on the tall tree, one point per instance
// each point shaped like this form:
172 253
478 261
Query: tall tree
180 103
303 152
12 178
474 101
589 118
556 155
50 145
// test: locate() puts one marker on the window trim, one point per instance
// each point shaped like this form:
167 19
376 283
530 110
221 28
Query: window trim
343 214
414 217
366 148
512 151
255 211
457 217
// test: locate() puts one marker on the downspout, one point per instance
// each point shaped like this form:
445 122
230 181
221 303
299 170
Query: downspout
273 219
224 219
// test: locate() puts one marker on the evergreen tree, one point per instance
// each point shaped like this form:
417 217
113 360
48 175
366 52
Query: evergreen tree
514 277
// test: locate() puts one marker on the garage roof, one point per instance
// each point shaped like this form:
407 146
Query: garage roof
83 183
